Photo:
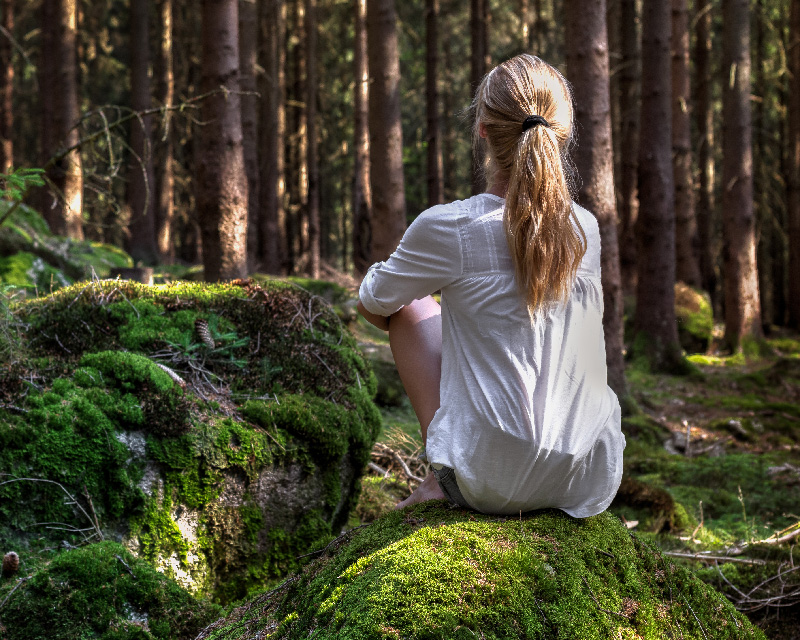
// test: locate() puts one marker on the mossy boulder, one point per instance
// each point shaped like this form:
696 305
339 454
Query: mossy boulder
219 431
100 591
434 572
695 318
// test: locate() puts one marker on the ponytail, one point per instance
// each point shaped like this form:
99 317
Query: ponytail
545 239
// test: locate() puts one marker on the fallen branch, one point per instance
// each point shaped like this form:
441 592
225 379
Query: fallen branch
704 557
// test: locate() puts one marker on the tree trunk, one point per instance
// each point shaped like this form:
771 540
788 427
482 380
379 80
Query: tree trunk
434 137
687 269
273 131
588 67
479 63
248 39
312 160
59 116
298 153
794 166
6 87
221 177
656 327
165 95
141 183
704 123
742 307
448 108
385 130
362 195
629 109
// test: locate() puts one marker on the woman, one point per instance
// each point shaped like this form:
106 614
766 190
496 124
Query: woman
508 378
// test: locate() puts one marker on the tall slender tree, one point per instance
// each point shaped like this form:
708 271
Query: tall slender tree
58 72
312 159
434 135
362 194
742 306
6 86
628 96
655 324
687 269
794 165
248 46
221 177
164 72
479 64
385 130
141 183
588 69
704 124
272 230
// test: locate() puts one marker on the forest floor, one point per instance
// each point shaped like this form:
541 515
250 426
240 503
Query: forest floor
712 470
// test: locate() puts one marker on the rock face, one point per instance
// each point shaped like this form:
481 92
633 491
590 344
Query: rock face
434 572
219 431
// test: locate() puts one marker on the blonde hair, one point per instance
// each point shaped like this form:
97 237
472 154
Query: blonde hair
545 246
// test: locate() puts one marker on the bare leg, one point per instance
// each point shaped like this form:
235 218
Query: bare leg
415 335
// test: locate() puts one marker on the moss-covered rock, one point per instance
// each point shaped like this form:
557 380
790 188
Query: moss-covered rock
434 572
217 430
695 318
100 591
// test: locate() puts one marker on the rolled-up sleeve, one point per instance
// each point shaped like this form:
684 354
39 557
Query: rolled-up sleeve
428 258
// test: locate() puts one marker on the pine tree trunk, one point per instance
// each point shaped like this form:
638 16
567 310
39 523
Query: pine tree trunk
221 177
248 40
793 173
629 110
312 160
362 194
742 307
479 39
141 183
687 269
272 233
165 152
587 61
434 137
704 124
656 328
385 130
448 108
6 87
60 114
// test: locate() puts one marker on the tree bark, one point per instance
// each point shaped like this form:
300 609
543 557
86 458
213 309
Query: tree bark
385 130
687 269
221 177
588 69
362 194
60 114
742 306
629 110
656 327
704 123
6 87
312 160
793 182
165 95
479 64
248 39
434 137
272 230
141 182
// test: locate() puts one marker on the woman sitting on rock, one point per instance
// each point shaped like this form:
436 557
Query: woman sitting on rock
508 376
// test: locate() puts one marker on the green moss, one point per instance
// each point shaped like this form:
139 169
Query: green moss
430 572
695 317
102 591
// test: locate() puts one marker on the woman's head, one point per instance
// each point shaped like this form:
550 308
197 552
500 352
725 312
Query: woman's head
531 160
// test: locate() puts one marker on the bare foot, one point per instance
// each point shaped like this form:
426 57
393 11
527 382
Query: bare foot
428 490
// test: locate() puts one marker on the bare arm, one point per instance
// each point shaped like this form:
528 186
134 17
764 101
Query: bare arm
382 322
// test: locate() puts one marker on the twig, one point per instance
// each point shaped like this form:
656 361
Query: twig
332 542
125 564
16 586
380 471
700 624
709 558
405 468
611 613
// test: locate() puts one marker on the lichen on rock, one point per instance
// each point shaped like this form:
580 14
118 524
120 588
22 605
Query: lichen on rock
435 572
218 460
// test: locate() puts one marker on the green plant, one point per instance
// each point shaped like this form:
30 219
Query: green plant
16 184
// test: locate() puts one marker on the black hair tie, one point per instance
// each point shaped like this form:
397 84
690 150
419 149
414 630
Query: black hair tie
532 121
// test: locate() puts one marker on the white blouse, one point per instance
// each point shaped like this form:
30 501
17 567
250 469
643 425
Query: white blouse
527 419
